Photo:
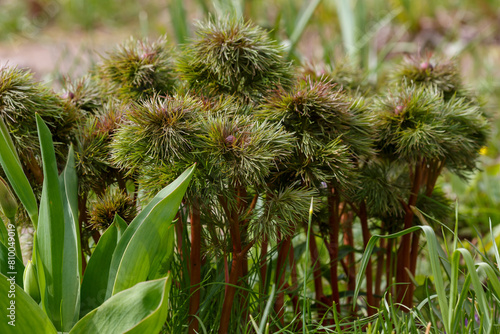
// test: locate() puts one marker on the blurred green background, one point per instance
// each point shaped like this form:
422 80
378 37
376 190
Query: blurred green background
64 38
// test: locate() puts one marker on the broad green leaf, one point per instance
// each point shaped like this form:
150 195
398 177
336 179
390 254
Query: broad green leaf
9 269
137 310
161 265
95 279
71 266
29 317
5 132
3 232
50 235
15 174
146 237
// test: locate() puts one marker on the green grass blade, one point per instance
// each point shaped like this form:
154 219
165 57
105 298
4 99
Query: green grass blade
476 283
3 233
15 174
29 317
5 133
347 26
267 309
432 246
179 21
304 291
494 245
301 24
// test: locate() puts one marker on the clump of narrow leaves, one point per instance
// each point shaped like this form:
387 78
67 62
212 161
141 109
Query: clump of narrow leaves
231 57
113 202
426 71
84 93
93 156
418 123
139 68
20 98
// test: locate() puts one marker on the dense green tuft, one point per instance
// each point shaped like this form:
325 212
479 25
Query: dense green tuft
21 97
424 71
417 122
112 202
235 58
139 68
330 129
158 129
93 156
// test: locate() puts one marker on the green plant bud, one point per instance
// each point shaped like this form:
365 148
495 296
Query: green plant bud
236 58
7 200
114 201
423 71
31 282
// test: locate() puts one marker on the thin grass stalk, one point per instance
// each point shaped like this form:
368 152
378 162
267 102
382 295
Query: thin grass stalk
320 297
292 289
370 300
333 245
82 221
389 267
263 266
195 261
304 288
284 248
380 269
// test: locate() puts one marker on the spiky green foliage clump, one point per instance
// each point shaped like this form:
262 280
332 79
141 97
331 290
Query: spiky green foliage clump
345 75
158 130
138 69
329 127
283 211
422 70
382 188
418 123
112 202
93 156
85 94
241 150
232 57
20 98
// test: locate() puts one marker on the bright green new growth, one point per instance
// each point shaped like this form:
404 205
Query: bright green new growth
422 71
241 150
138 69
84 93
157 129
20 98
232 57
112 202
330 130
93 156
417 123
